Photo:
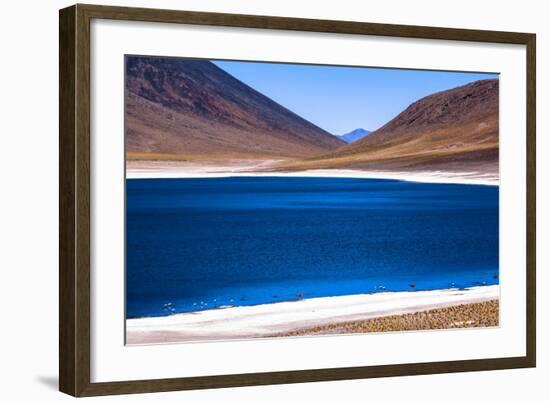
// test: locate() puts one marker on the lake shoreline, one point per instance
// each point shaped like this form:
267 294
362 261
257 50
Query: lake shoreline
268 320
152 169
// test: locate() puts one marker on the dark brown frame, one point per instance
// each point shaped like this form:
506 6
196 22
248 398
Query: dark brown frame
74 199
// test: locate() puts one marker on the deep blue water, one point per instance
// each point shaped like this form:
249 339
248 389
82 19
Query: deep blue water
196 244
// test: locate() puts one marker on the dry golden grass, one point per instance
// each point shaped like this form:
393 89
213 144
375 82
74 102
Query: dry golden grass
482 314
467 146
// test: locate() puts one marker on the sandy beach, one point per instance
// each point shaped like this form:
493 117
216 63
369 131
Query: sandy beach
281 318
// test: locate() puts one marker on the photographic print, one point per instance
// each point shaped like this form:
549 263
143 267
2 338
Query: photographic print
271 200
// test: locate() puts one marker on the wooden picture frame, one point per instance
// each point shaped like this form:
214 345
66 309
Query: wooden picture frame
74 204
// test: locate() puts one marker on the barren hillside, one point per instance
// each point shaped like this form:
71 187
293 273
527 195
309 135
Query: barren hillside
184 109
456 129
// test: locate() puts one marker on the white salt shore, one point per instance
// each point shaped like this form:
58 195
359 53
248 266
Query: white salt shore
269 319
443 177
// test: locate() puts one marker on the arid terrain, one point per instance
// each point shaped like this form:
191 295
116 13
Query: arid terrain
454 130
187 115
481 314
185 110
190 119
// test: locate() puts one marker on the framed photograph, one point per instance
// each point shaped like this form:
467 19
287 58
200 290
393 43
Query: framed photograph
250 200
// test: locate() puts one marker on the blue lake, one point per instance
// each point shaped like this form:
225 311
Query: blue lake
195 244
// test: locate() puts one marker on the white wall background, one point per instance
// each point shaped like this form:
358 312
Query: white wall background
29 184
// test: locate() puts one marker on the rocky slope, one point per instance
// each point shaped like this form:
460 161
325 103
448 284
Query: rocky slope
456 129
184 109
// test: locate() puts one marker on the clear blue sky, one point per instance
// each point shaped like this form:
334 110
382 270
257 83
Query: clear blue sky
341 99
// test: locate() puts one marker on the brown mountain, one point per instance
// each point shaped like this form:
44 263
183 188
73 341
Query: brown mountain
184 109
456 129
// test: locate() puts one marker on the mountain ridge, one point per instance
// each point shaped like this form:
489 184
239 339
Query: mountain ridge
452 129
193 108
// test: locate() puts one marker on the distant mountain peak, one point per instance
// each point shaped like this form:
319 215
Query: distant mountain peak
354 135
